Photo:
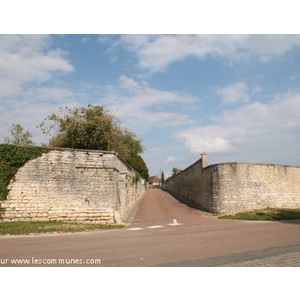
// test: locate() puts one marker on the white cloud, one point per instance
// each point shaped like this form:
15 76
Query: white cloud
269 46
54 95
137 105
35 104
256 131
84 40
171 160
156 52
27 62
257 89
25 59
212 138
141 107
234 93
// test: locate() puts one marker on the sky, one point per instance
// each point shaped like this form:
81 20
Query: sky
235 97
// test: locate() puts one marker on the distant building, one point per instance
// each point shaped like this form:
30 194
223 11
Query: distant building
154 182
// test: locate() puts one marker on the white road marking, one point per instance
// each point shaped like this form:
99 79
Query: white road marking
155 226
175 223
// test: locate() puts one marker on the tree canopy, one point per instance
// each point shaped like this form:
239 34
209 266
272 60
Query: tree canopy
94 128
175 171
162 179
140 166
19 136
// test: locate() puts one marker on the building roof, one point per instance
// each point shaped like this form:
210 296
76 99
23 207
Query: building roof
153 179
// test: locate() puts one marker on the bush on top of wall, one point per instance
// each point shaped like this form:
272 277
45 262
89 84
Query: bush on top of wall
13 157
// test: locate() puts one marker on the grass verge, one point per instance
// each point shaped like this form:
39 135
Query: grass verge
268 214
23 228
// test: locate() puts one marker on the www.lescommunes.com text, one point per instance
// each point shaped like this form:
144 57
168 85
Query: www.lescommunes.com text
49 261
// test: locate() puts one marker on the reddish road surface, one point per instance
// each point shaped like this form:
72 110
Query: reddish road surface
164 232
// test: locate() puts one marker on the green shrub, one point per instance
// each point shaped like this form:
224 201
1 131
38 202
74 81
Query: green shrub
12 158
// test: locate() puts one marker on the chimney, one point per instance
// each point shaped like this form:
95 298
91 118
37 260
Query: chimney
204 159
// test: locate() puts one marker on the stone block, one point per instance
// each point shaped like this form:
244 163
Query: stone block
43 219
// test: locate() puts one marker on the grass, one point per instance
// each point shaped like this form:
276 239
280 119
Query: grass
23 228
268 214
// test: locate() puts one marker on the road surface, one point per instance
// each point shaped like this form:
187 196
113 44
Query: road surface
165 232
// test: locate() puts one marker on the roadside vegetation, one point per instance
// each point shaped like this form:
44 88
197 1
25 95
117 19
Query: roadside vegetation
25 228
268 214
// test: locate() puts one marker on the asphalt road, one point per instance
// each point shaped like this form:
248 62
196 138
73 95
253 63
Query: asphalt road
164 232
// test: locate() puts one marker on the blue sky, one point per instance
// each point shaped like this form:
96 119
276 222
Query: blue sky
236 97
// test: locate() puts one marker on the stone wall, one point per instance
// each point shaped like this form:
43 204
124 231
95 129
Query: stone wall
73 185
229 188
193 184
242 187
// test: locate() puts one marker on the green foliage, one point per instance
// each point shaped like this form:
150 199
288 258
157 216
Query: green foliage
97 129
13 157
82 128
175 171
140 166
162 177
19 137
268 214
126 144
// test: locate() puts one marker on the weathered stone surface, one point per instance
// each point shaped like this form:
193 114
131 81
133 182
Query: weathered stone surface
244 187
229 188
73 185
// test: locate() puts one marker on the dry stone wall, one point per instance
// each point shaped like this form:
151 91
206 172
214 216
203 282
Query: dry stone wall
230 188
73 185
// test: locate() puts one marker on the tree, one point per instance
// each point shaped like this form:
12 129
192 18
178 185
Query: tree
94 128
82 128
125 142
19 137
140 166
175 171
162 177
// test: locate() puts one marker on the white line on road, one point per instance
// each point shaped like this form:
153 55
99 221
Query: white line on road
155 226
175 223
